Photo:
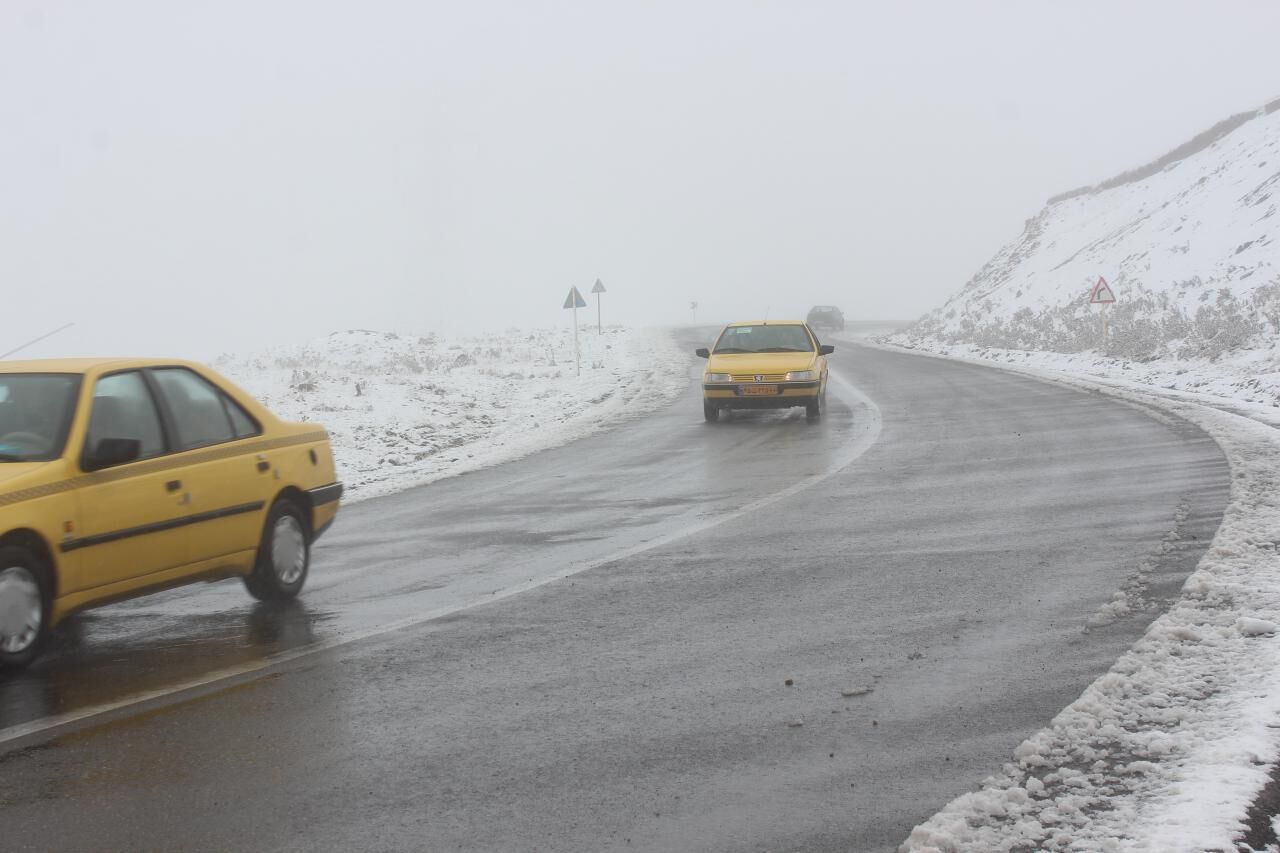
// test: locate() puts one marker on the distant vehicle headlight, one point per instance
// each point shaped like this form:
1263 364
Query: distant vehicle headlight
717 377
800 376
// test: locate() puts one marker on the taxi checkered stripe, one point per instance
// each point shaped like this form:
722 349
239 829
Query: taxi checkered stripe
161 463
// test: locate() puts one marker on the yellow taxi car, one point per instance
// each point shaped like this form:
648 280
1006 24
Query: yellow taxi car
765 365
118 478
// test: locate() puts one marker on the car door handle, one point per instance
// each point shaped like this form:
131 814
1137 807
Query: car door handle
264 467
173 485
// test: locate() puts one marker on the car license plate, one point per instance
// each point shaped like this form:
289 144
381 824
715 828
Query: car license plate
758 390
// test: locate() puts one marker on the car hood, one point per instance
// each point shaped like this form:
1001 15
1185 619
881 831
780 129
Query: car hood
761 362
15 474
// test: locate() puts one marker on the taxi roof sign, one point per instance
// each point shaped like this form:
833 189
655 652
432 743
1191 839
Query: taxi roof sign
574 299
1102 293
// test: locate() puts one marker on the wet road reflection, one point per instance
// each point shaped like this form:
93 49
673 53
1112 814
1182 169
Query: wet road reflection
100 656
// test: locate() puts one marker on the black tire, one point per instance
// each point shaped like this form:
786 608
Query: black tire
813 411
26 596
284 554
710 411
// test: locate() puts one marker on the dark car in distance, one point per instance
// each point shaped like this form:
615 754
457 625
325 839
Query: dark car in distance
825 317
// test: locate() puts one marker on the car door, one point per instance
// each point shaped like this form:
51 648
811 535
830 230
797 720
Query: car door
130 513
228 477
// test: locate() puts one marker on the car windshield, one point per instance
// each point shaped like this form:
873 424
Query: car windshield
35 415
764 338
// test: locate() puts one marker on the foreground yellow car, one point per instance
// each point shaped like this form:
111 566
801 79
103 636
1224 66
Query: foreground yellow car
119 478
765 365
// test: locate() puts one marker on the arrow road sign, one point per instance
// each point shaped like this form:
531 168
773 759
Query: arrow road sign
575 301
1102 293
597 290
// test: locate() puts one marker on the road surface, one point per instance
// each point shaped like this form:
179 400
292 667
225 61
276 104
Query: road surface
673 636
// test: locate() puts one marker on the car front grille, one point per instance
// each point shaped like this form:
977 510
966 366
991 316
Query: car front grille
765 377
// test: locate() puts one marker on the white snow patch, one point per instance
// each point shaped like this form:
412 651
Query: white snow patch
403 411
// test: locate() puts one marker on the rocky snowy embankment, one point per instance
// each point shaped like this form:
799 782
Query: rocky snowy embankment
1169 749
405 410
1189 246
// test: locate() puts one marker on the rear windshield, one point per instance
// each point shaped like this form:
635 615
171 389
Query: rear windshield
35 415
764 338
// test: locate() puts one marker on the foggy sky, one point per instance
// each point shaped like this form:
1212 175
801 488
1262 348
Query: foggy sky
185 179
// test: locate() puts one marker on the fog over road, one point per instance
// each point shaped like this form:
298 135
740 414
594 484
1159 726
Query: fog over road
642 640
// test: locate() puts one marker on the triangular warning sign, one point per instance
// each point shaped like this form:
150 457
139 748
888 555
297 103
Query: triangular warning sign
599 288
1102 293
574 299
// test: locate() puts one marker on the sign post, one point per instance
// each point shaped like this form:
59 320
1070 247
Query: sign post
575 301
1103 295
597 290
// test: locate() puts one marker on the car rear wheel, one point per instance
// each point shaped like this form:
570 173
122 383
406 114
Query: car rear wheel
24 606
710 411
284 554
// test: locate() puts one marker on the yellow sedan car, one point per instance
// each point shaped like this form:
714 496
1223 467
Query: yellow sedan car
118 478
765 365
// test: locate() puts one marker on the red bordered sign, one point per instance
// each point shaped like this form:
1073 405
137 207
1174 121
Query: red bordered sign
1102 293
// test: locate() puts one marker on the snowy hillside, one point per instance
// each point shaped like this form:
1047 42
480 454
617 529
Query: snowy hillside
1188 244
402 411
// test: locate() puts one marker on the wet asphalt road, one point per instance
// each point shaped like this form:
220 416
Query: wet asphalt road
941 545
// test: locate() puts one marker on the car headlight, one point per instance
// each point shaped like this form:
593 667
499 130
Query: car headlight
800 376
717 377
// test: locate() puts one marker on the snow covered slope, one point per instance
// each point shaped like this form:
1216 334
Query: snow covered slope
1188 244
402 411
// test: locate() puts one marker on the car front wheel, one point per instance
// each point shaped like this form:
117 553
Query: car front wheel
710 411
814 410
24 606
284 554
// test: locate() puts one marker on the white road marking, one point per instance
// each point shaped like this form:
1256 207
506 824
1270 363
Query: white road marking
865 433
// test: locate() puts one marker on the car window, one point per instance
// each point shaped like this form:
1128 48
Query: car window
124 408
764 338
241 421
196 406
35 415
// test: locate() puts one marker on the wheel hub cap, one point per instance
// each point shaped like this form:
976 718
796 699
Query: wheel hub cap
288 549
20 611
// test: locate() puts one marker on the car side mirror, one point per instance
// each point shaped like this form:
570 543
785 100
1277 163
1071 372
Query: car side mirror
826 349
113 451
702 352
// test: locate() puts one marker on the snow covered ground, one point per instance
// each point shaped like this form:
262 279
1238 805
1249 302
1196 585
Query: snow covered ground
402 411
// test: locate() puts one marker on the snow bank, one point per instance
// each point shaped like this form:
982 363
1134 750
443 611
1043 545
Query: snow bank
1166 751
404 410
1189 249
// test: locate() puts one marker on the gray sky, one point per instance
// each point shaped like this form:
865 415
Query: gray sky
182 178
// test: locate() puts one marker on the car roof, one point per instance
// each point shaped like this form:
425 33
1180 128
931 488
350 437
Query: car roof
767 323
86 365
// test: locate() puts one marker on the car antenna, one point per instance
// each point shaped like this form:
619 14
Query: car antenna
766 314
35 341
